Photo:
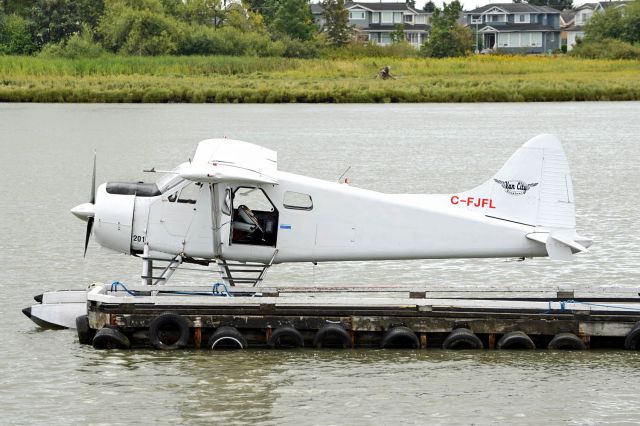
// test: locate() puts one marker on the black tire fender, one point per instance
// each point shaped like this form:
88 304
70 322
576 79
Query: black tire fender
171 321
333 331
400 337
227 337
110 338
462 338
516 340
285 337
85 333
567 341
632 341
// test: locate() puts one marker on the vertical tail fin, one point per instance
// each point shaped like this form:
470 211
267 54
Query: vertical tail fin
534 188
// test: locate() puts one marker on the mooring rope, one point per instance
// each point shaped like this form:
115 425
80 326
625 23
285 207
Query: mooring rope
563 304
215 290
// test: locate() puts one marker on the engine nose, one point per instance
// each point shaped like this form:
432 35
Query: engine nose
113 219
84 211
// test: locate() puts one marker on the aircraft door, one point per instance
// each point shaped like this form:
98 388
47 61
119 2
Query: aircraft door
181 221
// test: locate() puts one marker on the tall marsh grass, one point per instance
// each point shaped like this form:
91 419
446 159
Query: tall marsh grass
274 79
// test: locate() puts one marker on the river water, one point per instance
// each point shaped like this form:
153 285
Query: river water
46 377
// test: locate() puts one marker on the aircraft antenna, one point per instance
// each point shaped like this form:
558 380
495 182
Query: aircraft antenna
344 173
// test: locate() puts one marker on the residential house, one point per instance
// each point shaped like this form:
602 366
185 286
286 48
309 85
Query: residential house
575 29
375 22
516 27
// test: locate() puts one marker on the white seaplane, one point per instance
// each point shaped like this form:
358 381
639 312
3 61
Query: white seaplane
231 206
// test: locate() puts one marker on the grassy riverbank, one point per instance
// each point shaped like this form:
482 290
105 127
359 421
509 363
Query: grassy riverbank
249 79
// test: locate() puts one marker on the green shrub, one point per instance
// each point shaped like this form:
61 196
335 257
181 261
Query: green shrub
294 48
370 50
15 38
135 31
203 40
606 49
77 46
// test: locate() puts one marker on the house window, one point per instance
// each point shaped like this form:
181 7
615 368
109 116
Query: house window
522 18
497 18
385 38
536 39
375 18
503 39
387 17
356 15
476 19
420 19
297 201
397 17
408 19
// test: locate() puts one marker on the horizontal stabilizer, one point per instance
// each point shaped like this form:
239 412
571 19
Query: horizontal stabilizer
560 247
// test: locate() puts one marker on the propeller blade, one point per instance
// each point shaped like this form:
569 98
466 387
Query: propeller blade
93 180
88 235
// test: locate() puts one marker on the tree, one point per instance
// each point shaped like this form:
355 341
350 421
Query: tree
448 38
243 19
205 12
139 27
398 35
90 11
15 38
429 6
615 23
293 18
54 20
411 3
336 25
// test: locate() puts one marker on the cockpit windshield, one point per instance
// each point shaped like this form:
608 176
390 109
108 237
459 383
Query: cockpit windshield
170 180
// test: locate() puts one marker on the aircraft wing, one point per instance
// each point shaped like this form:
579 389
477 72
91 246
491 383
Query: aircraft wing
221 160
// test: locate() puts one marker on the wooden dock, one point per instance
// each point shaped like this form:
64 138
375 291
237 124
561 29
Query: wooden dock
374 317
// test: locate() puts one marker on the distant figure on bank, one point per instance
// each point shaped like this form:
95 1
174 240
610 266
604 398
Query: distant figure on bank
385 73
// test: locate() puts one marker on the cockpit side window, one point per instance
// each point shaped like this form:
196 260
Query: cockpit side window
297 201
189 194
226 203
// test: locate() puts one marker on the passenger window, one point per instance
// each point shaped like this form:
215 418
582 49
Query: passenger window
297 201
253 198
190 193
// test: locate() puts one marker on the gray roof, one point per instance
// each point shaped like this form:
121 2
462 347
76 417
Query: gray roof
508 28
568 14
575 28
392 27
515 8
317 8
606 4
382 6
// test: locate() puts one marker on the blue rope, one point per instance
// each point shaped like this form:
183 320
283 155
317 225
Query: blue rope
116 284
215 291
603 306
563 304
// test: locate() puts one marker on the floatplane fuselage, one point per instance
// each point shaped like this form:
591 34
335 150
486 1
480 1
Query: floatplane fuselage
230 202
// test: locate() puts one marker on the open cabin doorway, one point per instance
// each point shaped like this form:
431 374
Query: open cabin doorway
254 217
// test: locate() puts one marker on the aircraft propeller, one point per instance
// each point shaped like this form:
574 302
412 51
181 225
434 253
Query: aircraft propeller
87 211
